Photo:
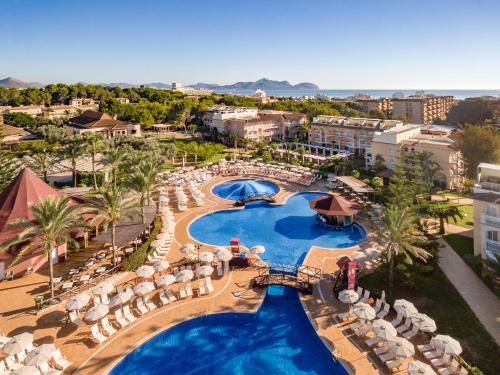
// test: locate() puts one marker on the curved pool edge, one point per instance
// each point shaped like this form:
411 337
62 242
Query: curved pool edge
275 186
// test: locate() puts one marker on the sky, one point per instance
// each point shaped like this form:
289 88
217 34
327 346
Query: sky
336 44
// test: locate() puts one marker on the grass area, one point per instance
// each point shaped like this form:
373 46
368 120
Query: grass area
453 194
438 298
464 246
467 221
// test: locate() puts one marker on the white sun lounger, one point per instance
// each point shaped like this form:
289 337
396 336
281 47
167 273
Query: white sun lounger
210 287
387 356
60 361
171 295
3 369
120 319
396 322
128 314
202 289
164 298
381 350
182 292
365 297
73 317
12 363
96 334
46 369
373 341
411 334
440 361
383 313
451 369
149 304
141 307
220 272
378 306
107 327
345 315
405 326
189 290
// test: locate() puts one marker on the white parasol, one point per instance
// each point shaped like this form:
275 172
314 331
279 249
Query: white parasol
161 266
420 368
401 347
423 322
447 344
185 276
384 329
405 308
144 288
40 355
145 271
364 311
205 271
26 370
18 343
259 249
121 298
77 302
188 248
102 288
348 296
223 255
96 313
166 280
206 256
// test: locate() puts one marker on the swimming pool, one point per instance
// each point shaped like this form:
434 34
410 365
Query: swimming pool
242 188
278 339
286 231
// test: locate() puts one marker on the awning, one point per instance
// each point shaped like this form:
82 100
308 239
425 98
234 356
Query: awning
334 205
356 185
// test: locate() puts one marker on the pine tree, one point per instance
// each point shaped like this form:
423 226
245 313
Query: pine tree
9 167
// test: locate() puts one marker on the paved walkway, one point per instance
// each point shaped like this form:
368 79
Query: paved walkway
481 300
459 230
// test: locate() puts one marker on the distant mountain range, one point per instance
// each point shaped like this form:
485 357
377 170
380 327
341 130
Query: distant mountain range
14 83
262 84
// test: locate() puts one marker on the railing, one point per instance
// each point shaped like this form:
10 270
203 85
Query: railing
493 246
492 221
294 276
491 186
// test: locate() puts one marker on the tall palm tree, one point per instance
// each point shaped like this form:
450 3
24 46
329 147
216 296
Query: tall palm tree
114 157
110 204
73 148
42 163
443 211
398 234
53 221
94 145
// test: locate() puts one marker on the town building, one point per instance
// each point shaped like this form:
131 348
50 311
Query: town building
99 122
32 110
352 134
397 143
261 96
253 124
486 198
81 102
123 100
178 87
11 135
421 109
383 104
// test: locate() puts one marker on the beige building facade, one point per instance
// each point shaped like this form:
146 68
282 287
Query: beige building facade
422 109
486 198
383 104
397 143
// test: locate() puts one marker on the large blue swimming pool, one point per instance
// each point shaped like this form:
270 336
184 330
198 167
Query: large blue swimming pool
278 339
286 231
243 188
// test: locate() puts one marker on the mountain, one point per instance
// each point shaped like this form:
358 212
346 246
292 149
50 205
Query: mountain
263 84
14 83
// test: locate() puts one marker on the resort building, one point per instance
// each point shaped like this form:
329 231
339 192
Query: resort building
348 133
395 144
384 104
15 204
100 122
421 109
486 198
253 124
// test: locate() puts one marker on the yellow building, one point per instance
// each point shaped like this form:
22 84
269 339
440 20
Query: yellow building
486 198
395 144
422 109
384 104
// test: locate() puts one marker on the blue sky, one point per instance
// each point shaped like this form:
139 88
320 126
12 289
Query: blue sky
333 43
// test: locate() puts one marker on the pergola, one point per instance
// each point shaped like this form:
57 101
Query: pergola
354 184
335 210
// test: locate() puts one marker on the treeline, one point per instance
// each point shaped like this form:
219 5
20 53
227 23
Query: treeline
474 111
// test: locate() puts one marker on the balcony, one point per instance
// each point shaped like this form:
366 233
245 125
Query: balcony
492 221
490 186
493 246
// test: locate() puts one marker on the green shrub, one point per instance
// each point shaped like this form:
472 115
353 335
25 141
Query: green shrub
138 258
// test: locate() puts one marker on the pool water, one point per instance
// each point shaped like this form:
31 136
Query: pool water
239 189
278 339
286 231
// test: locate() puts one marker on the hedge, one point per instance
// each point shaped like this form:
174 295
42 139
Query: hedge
138 258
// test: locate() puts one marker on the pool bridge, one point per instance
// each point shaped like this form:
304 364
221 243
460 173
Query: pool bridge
255 197
299 277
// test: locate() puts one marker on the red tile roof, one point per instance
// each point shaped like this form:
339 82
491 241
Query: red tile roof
95 119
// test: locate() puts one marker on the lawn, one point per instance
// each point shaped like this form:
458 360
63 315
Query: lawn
467 221
437 297
464 246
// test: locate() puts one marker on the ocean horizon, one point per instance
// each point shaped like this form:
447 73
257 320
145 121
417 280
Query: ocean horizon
342 94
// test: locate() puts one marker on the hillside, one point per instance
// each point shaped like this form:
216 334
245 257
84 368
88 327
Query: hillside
14 83
263 84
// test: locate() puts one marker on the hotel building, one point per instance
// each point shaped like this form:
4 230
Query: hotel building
395 144
348 133
384 104
422 109
253 124
486 198
99 122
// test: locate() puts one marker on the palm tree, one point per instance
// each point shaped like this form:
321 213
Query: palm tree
110 204
143 180
399 236
94 145
42 163
53 221
114 157
72 150
443 211
301 150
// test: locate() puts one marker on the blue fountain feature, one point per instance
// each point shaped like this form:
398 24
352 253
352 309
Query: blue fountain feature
245 188
277 340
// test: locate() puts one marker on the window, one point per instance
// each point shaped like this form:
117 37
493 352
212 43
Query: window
492 235
491 210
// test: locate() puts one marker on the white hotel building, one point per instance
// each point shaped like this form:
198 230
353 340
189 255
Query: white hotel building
487 211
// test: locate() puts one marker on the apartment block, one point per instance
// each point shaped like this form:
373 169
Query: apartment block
397 143
348 133
383 104
486 198
422 109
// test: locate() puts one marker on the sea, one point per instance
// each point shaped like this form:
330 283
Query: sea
342 94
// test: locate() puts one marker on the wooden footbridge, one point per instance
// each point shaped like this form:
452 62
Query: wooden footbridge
294 276
255 197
